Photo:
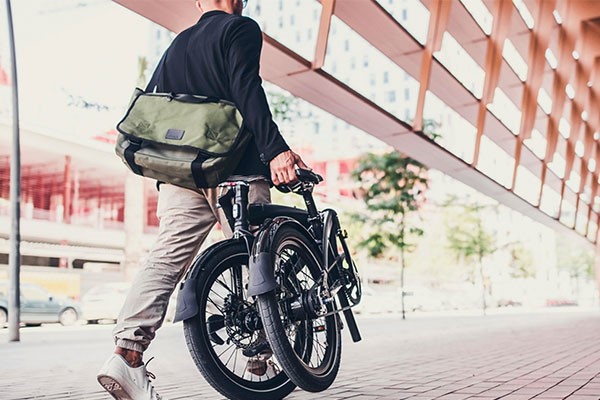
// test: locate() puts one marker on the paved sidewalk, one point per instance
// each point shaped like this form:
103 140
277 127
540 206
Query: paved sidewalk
550 355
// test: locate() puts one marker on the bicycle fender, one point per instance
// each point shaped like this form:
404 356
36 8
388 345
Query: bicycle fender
262 272
187 303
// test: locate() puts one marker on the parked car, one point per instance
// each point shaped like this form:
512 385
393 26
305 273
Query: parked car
38 306
103 302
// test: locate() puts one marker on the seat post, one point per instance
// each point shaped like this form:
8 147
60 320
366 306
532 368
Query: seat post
240 209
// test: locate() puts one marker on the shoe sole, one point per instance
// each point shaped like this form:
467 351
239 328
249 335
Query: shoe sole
113 388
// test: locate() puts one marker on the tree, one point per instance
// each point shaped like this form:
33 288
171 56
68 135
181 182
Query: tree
521 261
393 188
577 260
468 239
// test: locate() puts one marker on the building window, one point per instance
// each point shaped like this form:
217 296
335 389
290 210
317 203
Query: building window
386 77
406 94
391 96
404 14
346 45
281 22
280 5
292 19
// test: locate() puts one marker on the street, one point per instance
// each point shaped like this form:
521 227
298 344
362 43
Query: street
553 354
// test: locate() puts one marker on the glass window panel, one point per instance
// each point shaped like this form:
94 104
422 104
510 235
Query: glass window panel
495 162
550 203
592 165
557 165
544 101
480 14
461 65
456 134
580 224
525 13
567 213
412 15
527 185
592 229
579 148
293 22
574 181
506 111
343 65
551 58
514 59
536 143
596 206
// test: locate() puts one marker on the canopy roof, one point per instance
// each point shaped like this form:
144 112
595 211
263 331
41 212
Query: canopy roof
559 40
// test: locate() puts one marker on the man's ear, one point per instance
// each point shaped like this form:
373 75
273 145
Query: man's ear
199 6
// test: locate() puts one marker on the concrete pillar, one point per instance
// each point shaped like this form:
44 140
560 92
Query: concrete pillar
134 218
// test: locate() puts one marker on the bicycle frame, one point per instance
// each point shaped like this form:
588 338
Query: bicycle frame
319 227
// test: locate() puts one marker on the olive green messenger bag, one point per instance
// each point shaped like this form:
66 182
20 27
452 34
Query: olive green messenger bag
186 140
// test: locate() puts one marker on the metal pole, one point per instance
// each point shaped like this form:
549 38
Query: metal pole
14 295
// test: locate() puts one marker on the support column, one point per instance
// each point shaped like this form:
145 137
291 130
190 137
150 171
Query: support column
597 263
67 187
134 224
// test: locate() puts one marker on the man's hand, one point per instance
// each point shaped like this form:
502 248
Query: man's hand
283 169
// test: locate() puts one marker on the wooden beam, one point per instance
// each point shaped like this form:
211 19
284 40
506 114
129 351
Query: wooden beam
438 19
327 10
501 12
538 43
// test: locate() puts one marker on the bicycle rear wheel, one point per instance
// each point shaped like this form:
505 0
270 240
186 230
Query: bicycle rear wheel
314 365
220 333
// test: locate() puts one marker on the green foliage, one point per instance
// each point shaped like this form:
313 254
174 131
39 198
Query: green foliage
521 262
283 106
469 239
430 128
393 187
578 261
466 234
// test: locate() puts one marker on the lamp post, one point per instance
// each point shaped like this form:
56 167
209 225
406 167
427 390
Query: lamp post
14 295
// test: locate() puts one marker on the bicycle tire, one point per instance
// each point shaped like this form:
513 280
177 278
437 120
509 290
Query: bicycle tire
202 350
297 367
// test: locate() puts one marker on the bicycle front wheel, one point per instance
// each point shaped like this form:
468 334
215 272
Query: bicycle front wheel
307 346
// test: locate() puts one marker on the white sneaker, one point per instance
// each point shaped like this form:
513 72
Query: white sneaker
124 382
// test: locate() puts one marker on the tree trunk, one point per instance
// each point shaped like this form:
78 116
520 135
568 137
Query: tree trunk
402 264
484 305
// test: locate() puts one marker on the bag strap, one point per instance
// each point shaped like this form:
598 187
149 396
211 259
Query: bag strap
157 73
153 83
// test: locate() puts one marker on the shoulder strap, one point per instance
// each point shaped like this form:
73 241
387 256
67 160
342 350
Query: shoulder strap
157 72
161 64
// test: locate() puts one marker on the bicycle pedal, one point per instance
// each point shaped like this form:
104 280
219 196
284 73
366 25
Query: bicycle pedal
254 351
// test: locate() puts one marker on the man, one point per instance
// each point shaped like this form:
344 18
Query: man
219 56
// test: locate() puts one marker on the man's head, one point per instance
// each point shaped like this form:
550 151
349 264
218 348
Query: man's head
229 6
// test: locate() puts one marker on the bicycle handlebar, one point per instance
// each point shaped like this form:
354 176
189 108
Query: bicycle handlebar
304 176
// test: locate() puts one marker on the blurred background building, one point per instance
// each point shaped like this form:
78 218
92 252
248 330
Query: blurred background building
87 220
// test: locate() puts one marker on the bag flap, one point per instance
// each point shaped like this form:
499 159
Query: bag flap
211 127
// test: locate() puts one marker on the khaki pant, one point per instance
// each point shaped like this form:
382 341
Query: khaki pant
186 217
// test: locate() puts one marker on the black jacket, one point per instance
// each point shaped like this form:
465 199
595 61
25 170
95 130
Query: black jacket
220 57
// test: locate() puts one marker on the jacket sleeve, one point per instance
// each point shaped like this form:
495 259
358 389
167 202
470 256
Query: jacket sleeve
243 47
